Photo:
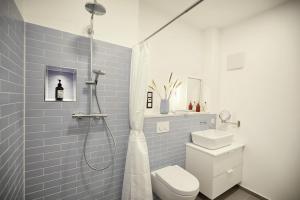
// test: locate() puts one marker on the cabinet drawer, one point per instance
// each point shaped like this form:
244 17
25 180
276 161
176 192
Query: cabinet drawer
227 161
226 180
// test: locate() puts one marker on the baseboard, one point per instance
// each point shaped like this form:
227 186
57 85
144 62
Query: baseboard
252 193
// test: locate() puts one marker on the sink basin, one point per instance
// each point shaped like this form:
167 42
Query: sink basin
212 138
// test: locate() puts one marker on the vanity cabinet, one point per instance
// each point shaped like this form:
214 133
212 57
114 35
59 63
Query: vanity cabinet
217 170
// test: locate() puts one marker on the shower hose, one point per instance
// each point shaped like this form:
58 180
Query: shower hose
109 132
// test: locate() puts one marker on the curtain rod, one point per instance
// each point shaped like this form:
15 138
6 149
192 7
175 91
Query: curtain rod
171 21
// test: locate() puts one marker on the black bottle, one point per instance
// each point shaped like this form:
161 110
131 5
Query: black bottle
59 92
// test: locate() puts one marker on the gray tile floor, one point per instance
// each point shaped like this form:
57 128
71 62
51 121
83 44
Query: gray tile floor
235 193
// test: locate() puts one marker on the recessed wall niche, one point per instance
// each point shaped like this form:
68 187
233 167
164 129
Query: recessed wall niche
67 77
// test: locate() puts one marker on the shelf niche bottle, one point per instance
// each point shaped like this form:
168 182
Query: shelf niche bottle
59 92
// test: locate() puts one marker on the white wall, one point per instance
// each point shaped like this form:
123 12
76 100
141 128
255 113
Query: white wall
177 49
119 25
211 69
265 96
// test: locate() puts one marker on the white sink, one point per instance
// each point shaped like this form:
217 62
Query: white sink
212 138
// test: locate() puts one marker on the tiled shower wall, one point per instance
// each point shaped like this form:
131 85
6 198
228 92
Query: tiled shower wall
54 141
11 101
54 167
169 148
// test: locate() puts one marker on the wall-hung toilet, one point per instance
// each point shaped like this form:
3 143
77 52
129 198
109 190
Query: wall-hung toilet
174 183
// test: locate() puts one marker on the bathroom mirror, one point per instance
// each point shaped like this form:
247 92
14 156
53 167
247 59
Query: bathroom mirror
60 84
225 115
194 90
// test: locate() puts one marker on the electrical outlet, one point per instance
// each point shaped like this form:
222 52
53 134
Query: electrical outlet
163 127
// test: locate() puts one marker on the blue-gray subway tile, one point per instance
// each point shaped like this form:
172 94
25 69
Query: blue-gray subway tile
34 143
3 73
36 35
42 45
34 67
33 188
43 30
60 181
34 173
52 190
42 120
41 164
45 149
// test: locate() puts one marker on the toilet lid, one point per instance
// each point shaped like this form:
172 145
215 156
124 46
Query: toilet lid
178 180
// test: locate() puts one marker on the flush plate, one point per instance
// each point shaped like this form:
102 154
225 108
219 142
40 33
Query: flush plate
163 127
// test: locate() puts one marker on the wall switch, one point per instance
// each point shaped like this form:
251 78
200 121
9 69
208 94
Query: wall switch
149 103
163 127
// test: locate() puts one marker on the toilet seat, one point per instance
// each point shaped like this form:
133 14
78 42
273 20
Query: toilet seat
178 180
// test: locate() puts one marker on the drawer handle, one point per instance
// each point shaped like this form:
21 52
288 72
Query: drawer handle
229 171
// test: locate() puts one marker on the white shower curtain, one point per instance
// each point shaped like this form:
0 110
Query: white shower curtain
137 180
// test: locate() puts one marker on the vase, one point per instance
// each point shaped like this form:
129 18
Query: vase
164 106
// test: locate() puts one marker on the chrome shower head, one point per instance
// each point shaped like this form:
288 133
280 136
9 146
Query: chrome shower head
95 8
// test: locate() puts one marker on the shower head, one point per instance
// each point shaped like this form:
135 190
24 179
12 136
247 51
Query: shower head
95 8
97 73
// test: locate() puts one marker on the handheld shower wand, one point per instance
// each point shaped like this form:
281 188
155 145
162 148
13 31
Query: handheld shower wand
97 74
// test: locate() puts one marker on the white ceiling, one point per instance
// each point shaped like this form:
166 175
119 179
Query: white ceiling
214 13
118 26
